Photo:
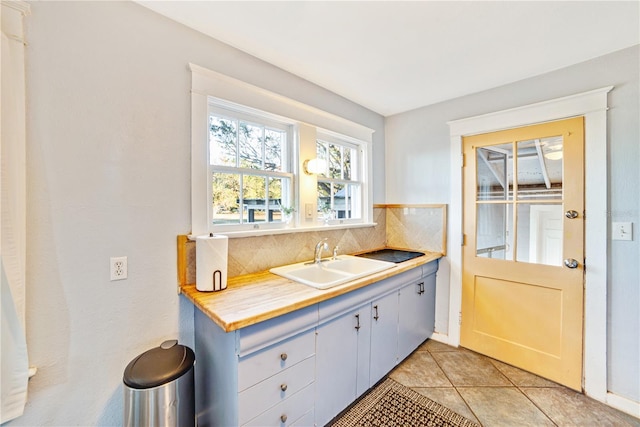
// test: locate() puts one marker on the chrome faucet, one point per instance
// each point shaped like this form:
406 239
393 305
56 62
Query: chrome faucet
321 245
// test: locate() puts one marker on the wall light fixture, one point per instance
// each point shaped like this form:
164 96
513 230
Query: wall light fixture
314 166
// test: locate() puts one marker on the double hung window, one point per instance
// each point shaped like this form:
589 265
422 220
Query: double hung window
340 184
249 151
249 164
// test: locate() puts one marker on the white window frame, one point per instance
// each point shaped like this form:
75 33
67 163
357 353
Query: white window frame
307 121
357 175
233 111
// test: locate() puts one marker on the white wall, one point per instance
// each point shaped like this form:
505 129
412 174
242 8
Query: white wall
418 171
108 174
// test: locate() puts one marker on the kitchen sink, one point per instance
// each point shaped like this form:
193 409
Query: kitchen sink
331 272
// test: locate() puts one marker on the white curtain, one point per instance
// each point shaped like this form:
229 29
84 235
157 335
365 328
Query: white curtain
14 359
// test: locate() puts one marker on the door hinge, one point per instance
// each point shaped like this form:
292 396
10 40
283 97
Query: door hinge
460 318
462 160
463 240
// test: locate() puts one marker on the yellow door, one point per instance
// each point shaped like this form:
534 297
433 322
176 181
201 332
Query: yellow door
522 296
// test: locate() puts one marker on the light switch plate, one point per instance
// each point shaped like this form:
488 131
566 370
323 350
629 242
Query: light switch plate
622 231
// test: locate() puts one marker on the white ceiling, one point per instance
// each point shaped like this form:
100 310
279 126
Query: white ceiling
395 56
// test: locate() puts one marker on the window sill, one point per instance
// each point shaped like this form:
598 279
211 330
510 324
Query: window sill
272 231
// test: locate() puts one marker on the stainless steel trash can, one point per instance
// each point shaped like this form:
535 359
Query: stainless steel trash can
159 388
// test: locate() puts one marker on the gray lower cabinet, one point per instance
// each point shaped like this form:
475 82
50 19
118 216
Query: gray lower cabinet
384 336
342 371
416 318
305 367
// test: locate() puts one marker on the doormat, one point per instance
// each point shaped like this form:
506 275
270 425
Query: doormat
392 404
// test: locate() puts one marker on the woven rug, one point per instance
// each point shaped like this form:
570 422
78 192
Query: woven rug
392 404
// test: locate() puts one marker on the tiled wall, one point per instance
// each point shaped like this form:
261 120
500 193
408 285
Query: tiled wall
417 226
400 226
253 254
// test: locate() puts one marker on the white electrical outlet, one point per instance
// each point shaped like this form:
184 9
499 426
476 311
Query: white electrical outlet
118 268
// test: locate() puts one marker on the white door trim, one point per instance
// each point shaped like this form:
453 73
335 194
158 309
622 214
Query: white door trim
593 106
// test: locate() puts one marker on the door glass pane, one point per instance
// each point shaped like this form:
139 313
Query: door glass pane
540 233
494 172
540 169
493 231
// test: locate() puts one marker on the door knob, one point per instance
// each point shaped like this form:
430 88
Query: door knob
570 263
571 214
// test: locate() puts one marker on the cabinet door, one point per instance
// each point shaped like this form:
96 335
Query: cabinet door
417 315
337 363
384 336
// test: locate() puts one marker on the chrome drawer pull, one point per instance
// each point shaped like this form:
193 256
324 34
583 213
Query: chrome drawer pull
283 356
283 418
283 387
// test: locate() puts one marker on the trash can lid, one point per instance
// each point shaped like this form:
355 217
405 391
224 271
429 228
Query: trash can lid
159 365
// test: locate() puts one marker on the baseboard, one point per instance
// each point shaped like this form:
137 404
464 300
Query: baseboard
623 404
440 338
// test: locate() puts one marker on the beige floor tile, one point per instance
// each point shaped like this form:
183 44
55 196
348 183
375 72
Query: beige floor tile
420 370
503 406
569 408
522 378
470 369
449 398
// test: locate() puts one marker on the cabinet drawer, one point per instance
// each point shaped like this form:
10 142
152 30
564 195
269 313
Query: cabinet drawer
288 411
263 364
306 420
268 393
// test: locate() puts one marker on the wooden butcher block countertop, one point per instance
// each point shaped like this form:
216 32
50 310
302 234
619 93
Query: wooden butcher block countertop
257 297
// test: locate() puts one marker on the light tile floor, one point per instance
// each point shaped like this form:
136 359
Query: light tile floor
492 393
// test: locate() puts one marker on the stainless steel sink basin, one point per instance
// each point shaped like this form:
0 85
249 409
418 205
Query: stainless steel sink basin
329 272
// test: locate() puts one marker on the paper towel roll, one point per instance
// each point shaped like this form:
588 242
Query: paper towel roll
211 262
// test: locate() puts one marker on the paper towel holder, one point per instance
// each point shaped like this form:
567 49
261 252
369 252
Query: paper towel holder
218 286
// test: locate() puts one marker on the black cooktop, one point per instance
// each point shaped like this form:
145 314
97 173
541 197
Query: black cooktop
392 255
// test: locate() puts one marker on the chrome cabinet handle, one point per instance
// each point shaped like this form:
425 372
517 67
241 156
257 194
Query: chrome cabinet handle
357 322
375 307
570 263
283 356
420 288
283 418
571 214
283 387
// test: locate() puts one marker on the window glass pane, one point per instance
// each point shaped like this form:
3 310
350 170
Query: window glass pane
321 153
341 201
226 195
493 231
254 198
222 141
275 198
494 172
324 196
355 201
540 233
335 161
274 143
348 154
540 168
250 143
